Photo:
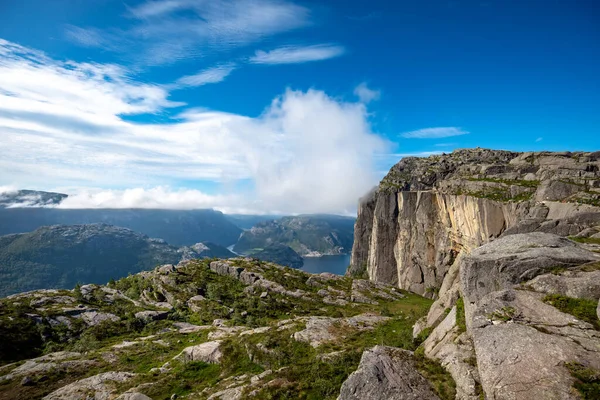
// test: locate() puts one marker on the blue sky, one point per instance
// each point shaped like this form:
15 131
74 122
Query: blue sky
281 106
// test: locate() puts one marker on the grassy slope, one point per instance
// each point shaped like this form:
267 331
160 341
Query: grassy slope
301 374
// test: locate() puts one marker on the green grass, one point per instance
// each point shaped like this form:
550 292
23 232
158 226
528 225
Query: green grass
461 321
504 314
582 309
423 335
510 182
305 375
183 380
440 379
585 240
587 380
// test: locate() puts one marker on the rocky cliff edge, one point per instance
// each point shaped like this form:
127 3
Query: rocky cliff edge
508 246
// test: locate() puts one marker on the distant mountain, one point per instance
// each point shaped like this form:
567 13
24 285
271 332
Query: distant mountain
248 221
60 256
30 198
177 227
280 254
308 235
205 250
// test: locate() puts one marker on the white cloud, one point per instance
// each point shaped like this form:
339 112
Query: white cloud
61 125
210 75
444 144
156 197
435 133
539 139
87 37
365 94
151 9
163 32
415 154
297 54
8 189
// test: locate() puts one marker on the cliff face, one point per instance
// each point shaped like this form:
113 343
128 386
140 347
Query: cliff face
484 232
428 211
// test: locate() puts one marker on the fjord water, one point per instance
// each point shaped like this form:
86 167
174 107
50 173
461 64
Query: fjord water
334 264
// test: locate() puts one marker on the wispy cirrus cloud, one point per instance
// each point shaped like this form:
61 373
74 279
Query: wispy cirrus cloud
435 133
87 37
162 32
366 94
297 54
155 8
62 125
211 75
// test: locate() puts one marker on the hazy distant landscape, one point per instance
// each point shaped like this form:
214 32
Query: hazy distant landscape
46 247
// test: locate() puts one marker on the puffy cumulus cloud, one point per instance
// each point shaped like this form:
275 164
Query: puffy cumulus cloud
365 94
321 158
62 126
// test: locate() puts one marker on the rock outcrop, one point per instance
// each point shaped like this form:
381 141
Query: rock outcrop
507 244
208 352
428 211
97 387
387 373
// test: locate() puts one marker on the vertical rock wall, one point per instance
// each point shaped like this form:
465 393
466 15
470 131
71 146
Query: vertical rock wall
415 237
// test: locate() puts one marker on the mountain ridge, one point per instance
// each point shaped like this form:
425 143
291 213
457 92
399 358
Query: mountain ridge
59 256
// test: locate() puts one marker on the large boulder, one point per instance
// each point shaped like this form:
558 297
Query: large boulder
62 361
579 284
133 396
523 344
387 373
514 259
209 352
98 387
320 330
454 350
92 318
149 316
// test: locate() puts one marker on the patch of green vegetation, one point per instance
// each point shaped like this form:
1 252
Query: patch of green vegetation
472 361
440 379
183 379
133 286
20 336
510 182
582 309
504 314
423 335
432 291
557 270
587 380
585 240
589 201
236 360
461 320
590 267
359 273
304 374
498 194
